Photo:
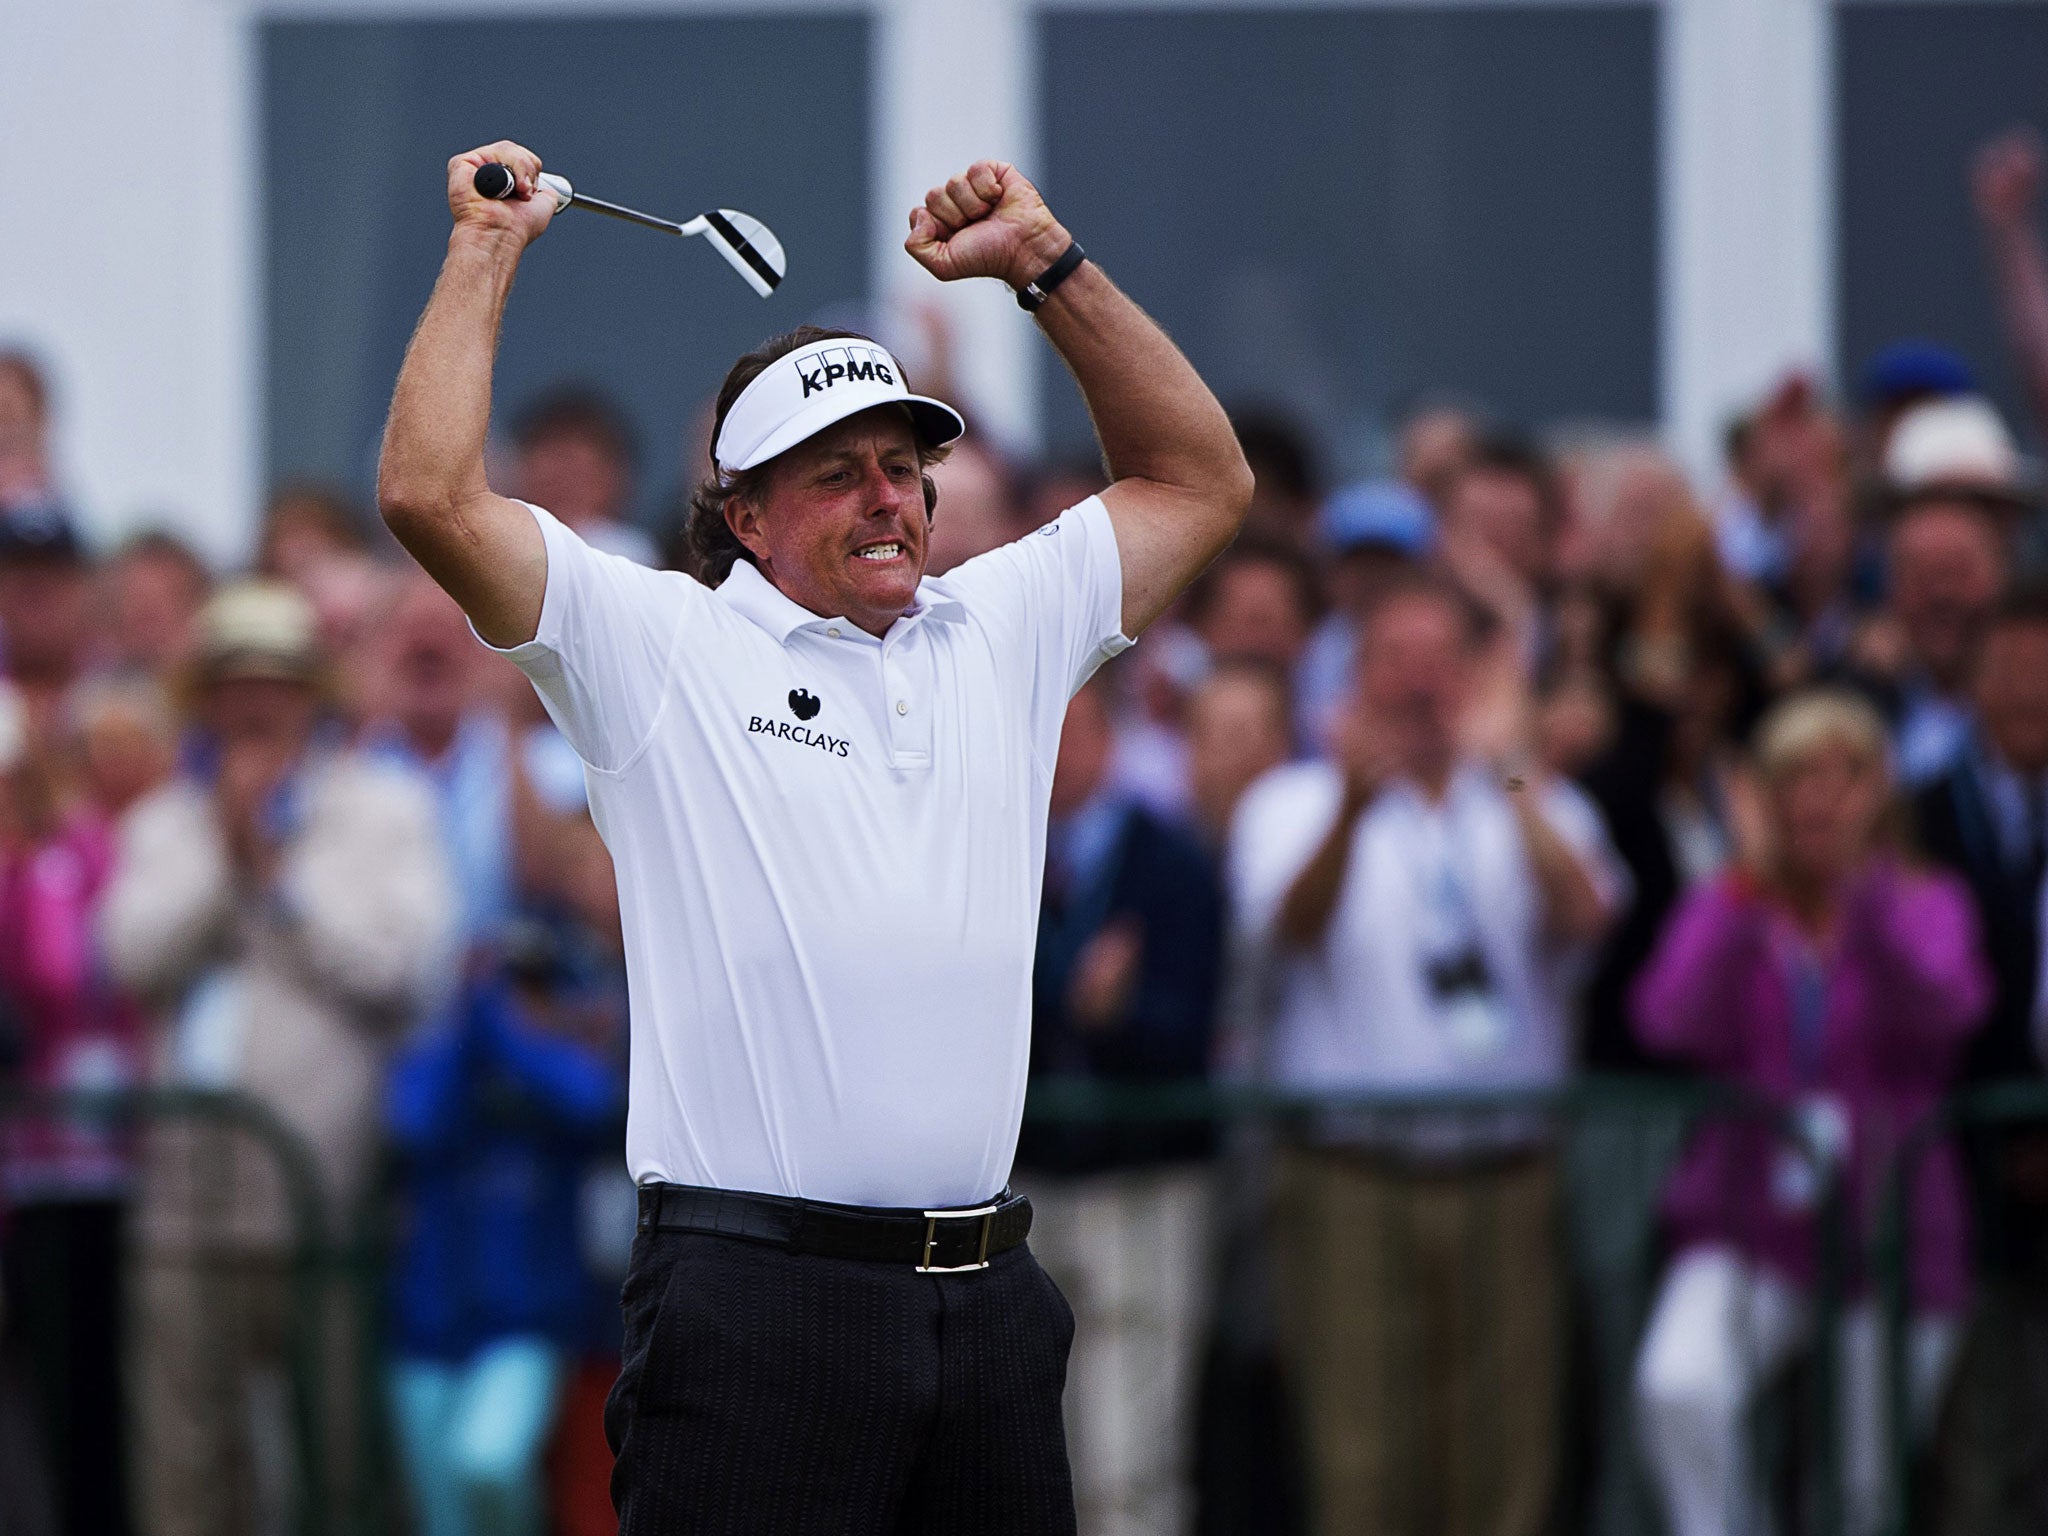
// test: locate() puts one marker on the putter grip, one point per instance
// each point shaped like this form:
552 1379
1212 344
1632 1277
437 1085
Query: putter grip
492 180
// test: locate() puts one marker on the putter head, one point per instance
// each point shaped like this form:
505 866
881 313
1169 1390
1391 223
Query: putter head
749 246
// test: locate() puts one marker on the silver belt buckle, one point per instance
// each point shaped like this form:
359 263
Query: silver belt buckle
931 1240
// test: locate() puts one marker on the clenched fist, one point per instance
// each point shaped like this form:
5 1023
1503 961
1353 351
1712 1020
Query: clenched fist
987 222
522 215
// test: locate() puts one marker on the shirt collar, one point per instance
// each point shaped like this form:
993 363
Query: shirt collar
747 592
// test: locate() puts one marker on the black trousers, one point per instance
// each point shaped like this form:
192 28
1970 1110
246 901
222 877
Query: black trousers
769 1391
63 1274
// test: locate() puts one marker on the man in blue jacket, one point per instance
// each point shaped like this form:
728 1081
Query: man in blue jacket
494 1116
1125 989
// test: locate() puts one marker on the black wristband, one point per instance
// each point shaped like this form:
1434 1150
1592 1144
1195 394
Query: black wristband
1039 289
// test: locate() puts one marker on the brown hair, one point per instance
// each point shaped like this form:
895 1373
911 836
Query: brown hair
709 545
30 373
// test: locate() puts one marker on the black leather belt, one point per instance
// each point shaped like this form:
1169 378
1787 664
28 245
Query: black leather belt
932 1242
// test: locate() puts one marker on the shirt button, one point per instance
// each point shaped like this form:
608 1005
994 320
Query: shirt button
902 706
833 631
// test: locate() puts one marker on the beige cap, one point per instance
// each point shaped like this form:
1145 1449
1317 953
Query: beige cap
1959 445
258 629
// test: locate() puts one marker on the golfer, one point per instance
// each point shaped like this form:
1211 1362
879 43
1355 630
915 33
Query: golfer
823 781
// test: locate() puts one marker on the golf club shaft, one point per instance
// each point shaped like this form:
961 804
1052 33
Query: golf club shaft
495 181
631 216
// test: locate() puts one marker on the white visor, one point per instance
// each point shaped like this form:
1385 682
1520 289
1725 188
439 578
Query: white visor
799 395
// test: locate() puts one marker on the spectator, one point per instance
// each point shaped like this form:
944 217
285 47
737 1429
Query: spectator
1048 490
1664 788
1420 918
1372 532
1897 380
1838 984
1287 482
1748 519
1124 991
1986 819
1240 727
432 721
978 505
577 458
1784 456
46 612
284 907
1949 567
2006 180
155 587
66 1177
1498 537
27 479
306 524
493 1115
126 739
1258 602
1436 445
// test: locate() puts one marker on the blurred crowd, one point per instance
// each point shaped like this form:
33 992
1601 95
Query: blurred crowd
1532 760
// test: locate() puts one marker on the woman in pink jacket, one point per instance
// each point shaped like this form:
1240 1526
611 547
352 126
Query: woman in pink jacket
1837 982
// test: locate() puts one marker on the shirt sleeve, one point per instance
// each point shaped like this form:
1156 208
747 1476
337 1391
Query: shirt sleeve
1279 824
1055 597
600 657
1577 821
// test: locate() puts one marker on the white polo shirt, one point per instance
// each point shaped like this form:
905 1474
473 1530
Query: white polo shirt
829 851
1358 1012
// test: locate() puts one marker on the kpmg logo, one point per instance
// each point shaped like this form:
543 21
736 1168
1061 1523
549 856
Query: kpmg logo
805 706
844 365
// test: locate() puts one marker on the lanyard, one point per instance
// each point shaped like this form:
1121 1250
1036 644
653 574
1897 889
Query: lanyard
1444 888
1808 980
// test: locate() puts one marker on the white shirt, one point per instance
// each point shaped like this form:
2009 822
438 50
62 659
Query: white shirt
1425 882
829 851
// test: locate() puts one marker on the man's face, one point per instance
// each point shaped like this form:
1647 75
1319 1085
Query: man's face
1948 567
1256 613
431 654
576 476
978 515
262 714
2012 694
46 612
1505 510
21 420
1238 727
840 527
1414 677
156 602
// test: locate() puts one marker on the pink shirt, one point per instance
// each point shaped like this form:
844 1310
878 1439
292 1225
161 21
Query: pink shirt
76 1032
1863 1060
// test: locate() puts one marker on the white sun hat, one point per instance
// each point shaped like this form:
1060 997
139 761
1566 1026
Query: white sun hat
1959 444
803 392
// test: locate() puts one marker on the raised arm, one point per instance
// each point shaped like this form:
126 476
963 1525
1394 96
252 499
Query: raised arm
1181 485
2007 183
483 549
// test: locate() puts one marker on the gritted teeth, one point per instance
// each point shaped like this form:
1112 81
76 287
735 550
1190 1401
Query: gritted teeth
885 551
